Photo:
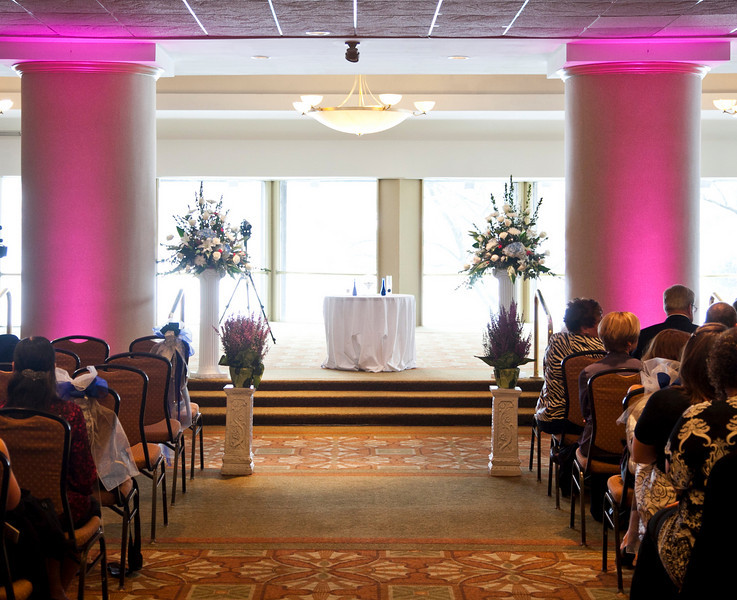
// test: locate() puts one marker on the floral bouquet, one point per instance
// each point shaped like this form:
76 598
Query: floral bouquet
206 241
509 241
245 343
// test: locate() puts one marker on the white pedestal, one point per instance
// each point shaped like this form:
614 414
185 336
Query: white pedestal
504 458
237 455
507 289
209 340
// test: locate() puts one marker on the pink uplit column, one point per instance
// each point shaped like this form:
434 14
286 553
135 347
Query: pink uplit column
633 139
89 190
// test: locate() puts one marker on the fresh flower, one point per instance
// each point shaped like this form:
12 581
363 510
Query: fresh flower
203 242
505 345
509 241
245 344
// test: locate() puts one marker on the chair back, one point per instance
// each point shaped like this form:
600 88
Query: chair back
17 588
129 386
571 366
40 444
90 350
144 344
5 377
158 371
67 360
607 392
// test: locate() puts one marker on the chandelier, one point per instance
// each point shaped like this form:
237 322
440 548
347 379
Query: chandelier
368 115
728 106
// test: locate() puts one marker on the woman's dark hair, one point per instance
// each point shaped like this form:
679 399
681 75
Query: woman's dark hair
668 344
694 373
722 363
33 384
580 313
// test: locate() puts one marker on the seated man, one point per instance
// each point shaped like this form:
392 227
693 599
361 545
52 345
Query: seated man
678 304
721 312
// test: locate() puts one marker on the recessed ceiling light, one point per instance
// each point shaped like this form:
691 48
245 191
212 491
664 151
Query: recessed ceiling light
317 33
260 57
458 57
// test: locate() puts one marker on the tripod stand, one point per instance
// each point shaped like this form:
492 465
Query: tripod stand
249 284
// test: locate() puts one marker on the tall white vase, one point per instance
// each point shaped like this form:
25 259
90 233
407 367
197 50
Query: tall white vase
507 289
209 341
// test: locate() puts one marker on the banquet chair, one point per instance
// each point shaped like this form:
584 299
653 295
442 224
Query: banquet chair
618 499
90 350
40 444
130 385
160 426
608 438
5 377
66 360
124 505
18 589
571 367
147 344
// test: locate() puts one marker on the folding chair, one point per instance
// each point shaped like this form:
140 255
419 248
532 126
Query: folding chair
90 350
67 360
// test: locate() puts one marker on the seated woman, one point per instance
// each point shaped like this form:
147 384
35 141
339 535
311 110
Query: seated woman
703 434
581 319
661 365
33 385
619 332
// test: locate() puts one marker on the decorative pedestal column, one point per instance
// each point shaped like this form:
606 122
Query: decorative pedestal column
209 340
504 458
237 455
507 289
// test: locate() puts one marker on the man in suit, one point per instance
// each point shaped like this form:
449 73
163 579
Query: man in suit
678 304
721 312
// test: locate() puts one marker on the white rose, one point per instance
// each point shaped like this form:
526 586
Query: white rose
514 231
192 222
201 201
475 260
216 255
169 237
490 245
503 235
506 208
527 220
206 215
216 240
507 222
500 218
199 260
180 256
543 235
466 267
494 258
236 259
185 238
512 214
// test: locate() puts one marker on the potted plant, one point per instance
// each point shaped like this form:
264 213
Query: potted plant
244 340
505 346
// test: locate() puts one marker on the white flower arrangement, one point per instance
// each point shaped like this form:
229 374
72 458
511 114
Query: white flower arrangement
206 241
509 241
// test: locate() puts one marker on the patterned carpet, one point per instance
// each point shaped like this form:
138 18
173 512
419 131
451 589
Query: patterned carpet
199 566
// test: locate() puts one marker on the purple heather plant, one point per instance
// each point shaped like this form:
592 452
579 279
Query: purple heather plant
505 345
245 343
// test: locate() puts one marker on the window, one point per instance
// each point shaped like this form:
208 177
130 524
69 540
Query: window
327 240
10 265
718 265
244 199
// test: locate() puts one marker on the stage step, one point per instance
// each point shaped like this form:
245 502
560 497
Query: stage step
332 402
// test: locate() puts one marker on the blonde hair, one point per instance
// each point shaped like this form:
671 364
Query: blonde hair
618 330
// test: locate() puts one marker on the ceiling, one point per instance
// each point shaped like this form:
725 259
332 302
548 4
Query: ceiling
401 36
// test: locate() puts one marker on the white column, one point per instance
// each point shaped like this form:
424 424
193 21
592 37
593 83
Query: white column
209 351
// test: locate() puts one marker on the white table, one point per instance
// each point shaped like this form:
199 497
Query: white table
370 333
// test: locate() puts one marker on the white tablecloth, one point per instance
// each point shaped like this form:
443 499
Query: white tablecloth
370 333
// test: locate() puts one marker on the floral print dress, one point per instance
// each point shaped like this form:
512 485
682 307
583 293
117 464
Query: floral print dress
705 433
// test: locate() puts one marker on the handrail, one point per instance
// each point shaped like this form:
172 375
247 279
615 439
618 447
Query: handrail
179 300
540 301
714 297
9 326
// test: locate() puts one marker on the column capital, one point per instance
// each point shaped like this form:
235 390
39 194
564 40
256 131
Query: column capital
86 67
638 53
